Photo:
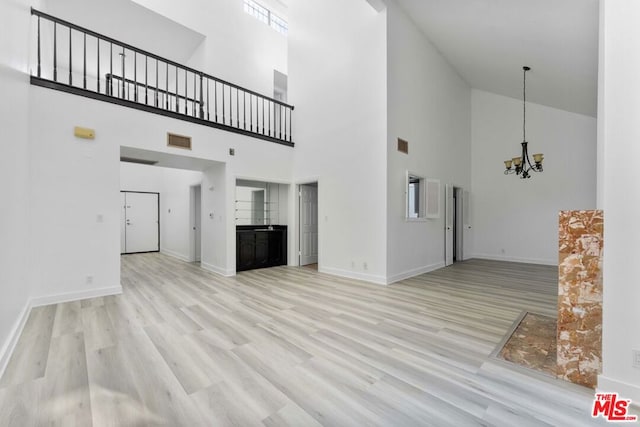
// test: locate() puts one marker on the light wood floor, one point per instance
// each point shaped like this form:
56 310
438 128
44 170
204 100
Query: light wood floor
288 347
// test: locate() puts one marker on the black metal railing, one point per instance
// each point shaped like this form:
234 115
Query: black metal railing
81 61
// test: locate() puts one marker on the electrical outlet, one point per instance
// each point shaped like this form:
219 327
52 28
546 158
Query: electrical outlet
89 279
636 358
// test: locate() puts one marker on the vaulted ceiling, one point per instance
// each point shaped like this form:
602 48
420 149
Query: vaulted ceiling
488 42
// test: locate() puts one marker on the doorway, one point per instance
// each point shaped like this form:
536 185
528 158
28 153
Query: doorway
308 224
140 222
196 221
456 222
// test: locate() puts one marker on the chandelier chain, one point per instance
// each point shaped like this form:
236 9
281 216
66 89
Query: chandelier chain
524 106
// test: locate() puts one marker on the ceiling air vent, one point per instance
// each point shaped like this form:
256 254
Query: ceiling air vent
179 141
403 146
139 161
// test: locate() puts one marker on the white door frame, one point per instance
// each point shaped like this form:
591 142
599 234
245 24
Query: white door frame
308 232
296 234
457 195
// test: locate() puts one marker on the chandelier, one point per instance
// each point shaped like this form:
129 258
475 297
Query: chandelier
522 165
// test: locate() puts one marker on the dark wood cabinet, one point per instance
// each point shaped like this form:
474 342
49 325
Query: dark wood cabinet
260 247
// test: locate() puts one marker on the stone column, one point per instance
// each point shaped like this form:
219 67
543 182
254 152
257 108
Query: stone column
580 297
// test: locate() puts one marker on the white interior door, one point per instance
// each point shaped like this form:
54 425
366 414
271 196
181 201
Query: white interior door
123 220
466 225
308 224
141 223
197 210
458 230
448 224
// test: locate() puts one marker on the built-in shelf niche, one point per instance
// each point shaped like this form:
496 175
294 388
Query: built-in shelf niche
259 203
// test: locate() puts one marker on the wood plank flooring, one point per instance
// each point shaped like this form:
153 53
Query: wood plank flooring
288 347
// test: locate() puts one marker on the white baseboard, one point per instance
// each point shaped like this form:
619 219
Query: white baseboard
625 390
378 280
175 254
12 339
10 344
494 257
218 270
414 272
75 296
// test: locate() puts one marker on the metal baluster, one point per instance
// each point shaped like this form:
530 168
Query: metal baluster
251 111
269 117
280 120
263 115
237 109
177 100
166 88
55 52
98 49
146 80
111 69
223 107
290 117
230 106
122 94
195 90
84 70
155 92
244 109
208 105
186 92
215 94
135 76
70 61
39 71
202 96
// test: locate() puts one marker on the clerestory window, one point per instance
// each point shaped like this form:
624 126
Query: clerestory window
265 15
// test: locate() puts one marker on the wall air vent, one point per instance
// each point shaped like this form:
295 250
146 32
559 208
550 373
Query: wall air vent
139 161
178 141
403 146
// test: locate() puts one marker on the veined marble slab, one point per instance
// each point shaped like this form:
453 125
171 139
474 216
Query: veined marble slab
580 296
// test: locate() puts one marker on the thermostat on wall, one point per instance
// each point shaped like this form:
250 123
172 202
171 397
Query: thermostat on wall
84 133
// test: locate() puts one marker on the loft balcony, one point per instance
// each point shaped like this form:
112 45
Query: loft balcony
77 60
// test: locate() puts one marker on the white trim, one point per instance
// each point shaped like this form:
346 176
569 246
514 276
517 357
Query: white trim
378 280
75 296
12 340
218 270
414 272
515 259
174 254
625 390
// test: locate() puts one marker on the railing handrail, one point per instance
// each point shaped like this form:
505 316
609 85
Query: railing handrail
154 56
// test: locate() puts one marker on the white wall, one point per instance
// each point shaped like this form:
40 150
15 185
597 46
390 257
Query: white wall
175 212
218 229
237 48
337 81
76 180
619 111
514 219
75 215
14 171
429 106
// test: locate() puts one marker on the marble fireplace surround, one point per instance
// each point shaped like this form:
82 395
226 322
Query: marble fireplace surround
569 348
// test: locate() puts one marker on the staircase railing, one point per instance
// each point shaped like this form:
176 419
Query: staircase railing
80 61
